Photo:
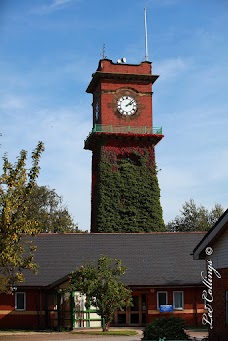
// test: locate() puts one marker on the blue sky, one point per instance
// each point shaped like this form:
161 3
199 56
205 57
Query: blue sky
50 48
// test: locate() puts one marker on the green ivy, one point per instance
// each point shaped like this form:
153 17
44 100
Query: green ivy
127 190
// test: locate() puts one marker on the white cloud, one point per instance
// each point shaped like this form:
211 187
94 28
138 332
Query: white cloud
170 68
53 6
162 3
60 2
12 103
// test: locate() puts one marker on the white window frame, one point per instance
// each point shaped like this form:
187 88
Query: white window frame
161 292
178 308
21 293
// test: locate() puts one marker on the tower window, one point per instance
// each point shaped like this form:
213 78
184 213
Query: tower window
131 158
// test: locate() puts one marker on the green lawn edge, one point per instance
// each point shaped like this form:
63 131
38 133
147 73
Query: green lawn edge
110 332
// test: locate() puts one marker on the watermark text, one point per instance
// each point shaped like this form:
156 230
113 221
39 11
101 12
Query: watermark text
207 295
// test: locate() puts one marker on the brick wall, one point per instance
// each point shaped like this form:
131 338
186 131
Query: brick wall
219 332
107 65
193 305
31 318
107 90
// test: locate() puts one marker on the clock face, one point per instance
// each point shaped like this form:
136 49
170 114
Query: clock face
126 105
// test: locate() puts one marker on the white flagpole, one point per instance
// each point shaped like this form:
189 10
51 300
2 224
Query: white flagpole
146 40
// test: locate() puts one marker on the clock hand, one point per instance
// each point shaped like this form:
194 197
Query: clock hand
132 101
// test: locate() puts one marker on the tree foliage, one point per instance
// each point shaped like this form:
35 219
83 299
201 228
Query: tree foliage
171 328
47 208
128 194
195 218
101 283
16 184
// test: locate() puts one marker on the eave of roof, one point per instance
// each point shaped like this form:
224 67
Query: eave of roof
211 236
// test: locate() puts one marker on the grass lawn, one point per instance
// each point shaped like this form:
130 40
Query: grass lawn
124 332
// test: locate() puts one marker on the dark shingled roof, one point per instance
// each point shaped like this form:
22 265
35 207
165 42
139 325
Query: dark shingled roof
152 259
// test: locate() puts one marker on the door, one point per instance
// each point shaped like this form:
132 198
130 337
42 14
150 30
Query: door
136 315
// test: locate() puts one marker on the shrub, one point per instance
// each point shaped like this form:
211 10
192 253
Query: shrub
171 328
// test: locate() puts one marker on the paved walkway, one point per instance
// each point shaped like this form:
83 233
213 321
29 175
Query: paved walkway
199 335
53 336
64 337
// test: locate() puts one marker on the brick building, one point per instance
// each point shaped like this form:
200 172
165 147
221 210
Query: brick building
160 271
214 249
125 195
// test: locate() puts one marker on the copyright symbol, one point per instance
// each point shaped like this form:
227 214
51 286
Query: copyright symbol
209 251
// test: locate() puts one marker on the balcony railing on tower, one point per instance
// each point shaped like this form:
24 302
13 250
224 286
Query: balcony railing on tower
154 134
100 128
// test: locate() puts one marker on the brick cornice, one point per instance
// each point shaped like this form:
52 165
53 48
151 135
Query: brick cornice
98 76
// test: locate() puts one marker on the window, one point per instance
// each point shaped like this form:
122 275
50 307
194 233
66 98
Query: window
131 158
226 306
20 301
178 300
161 298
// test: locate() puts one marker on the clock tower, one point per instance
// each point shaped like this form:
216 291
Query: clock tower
125 192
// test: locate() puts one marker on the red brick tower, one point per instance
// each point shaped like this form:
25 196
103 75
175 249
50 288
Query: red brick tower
122 130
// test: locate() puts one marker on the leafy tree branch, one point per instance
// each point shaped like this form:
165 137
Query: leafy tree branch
195 218
102 286
16 184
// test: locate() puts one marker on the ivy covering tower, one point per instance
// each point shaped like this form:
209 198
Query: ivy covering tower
125 191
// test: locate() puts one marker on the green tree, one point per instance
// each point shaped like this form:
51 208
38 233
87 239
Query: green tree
46 207
102 286
195 218
16 184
